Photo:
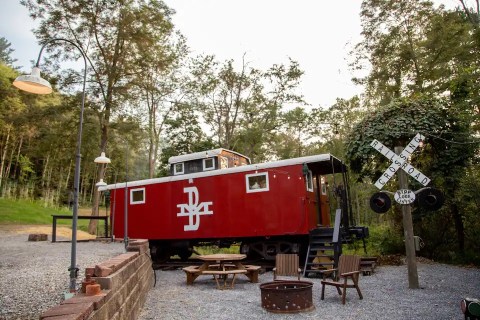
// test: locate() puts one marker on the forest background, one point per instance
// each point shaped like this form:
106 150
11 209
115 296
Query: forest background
147 100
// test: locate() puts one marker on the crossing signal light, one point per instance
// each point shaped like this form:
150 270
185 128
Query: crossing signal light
430 198
380 202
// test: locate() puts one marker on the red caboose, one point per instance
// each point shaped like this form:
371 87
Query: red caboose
218 197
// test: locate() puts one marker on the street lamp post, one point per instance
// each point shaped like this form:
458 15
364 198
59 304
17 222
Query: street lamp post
125 212
33 83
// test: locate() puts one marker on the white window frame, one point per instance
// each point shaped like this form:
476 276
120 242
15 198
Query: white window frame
205 168
137 190
309 181
247 182
175 172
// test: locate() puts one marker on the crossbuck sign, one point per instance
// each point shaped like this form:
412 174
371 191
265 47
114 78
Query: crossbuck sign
400 161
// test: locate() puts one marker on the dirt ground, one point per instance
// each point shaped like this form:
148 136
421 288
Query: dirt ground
62 232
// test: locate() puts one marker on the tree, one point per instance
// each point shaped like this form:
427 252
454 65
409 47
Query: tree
242 107
292 136
11 105
443 159
5 52
160 87
410 48
115 41
184 135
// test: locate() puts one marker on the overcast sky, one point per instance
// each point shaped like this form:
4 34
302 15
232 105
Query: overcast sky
316 33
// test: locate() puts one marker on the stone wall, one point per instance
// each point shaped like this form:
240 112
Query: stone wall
115 289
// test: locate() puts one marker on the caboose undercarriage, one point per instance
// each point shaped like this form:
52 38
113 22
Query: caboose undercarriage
255 248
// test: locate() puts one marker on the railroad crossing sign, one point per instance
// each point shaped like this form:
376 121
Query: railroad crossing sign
400 161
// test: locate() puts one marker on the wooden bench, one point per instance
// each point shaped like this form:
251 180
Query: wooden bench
367 265
64 216
252 272
223 274
192 273
225 266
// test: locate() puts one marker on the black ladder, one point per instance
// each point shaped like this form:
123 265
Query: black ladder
324 249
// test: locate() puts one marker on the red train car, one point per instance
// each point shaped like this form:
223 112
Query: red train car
267 207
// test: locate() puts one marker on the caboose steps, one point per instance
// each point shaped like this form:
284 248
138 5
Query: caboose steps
323 251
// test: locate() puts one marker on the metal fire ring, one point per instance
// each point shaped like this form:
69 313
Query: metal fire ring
287 296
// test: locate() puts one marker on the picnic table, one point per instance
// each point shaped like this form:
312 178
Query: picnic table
221 266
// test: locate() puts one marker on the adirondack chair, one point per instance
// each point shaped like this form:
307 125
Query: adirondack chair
348 268
286 264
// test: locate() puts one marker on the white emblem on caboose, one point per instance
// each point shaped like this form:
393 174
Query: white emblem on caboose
193 210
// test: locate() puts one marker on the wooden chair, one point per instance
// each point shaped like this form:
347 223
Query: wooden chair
348 268
286 264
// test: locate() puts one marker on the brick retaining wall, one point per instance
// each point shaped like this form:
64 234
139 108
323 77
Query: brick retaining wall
124 282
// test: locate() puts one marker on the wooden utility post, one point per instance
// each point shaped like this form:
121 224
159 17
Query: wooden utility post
408 230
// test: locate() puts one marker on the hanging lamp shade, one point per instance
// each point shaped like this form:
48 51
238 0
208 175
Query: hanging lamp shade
101 183
102 159
33 83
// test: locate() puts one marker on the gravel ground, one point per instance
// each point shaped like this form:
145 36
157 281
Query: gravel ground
386 296
34 276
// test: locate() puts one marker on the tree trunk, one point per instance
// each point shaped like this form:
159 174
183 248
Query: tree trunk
459 227
92 226
3 156
18 159
10 162
45 169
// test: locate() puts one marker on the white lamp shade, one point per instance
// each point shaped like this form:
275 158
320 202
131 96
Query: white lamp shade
102 159
33 83
101 183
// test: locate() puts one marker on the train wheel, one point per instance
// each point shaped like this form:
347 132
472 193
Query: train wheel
269 249
158 253
184 253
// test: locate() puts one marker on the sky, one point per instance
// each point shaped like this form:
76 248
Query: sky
318 34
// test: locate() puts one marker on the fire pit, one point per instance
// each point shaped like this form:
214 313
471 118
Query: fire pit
287 296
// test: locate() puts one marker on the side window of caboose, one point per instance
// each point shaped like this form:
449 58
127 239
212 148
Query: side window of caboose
208 164
309 181
137 196
324 184
178 168
257 182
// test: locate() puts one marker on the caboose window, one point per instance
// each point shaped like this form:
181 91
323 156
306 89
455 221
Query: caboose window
178 168
257 182
208 164
137 196
309 181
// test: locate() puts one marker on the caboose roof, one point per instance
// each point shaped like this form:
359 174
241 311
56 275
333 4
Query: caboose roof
321 164
203 154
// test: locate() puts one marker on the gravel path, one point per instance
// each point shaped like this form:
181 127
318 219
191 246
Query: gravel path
34 276
386 296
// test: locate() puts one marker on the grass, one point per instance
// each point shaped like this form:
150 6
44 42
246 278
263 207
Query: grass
25 212
214 249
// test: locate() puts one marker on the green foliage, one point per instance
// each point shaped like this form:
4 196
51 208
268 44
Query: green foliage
383 239
6 52
242 106
393 124
235 248
442 159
